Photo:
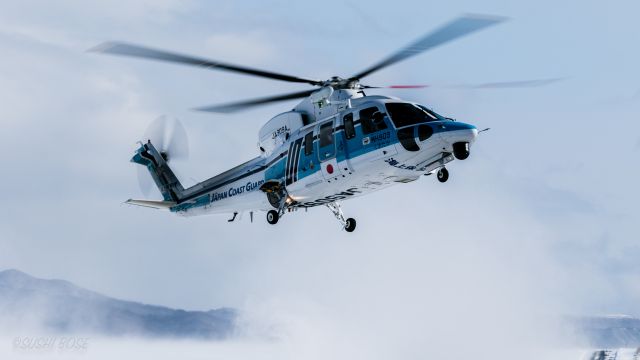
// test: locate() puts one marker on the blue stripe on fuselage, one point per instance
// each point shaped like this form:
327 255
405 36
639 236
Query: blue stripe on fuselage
308 165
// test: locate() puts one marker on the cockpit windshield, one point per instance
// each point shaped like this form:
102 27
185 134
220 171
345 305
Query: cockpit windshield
405 114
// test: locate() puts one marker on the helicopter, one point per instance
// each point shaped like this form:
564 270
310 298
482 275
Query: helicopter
338 143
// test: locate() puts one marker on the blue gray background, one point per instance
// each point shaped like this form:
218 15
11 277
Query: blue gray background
541 220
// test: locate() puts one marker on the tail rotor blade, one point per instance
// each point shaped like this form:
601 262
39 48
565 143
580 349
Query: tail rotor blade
157 133
170 138
144 180
177 141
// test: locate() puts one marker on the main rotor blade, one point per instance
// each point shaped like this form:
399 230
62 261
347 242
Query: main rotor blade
455 29
241 105
395 87
511 84
490 85
117 48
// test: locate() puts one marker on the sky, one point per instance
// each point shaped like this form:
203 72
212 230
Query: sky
541 220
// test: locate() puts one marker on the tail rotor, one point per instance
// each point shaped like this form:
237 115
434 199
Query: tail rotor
170 138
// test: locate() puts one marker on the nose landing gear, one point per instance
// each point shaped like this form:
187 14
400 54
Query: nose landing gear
443 175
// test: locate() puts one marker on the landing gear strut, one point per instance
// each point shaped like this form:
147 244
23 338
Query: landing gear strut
348 224
443 175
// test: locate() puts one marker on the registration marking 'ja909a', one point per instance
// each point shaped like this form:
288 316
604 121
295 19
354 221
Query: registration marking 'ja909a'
331 198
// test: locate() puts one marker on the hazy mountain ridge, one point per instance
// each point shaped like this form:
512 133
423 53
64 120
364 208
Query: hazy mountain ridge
612 331
58 306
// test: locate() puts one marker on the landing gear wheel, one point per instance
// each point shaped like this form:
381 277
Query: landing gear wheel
443 175
272 217
350 225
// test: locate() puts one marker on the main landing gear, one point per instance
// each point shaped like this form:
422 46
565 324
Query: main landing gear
278 198
443 175
272 217
348 224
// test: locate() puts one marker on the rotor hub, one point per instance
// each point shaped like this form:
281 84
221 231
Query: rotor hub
337 82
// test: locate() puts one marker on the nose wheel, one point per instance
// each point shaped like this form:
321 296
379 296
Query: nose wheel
443 175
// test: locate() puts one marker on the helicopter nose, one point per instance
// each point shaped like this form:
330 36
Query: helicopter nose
458 137
454 132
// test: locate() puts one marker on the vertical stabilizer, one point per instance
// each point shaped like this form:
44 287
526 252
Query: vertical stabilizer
156 162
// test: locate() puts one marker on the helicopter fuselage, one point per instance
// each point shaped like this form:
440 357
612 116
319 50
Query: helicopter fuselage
372 143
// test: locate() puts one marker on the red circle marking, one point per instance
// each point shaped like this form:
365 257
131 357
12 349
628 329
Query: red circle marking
330 169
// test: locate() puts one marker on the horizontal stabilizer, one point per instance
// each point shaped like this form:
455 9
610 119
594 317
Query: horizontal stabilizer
156 204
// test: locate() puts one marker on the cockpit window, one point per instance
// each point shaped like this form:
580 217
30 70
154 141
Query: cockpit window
430 112
372 120
405 114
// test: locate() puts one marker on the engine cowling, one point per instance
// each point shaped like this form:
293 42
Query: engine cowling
277 131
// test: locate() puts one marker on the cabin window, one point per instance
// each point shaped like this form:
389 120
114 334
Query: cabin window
349 129
424 132
405 114
326 134
305 119
372 120
308 143
407 139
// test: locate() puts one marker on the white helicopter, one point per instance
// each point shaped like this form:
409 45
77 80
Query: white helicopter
336 144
